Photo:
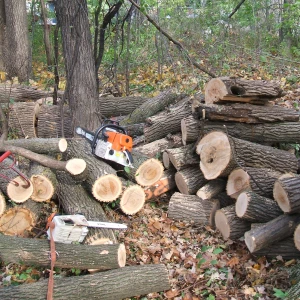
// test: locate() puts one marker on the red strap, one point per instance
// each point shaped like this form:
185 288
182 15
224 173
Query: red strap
53 260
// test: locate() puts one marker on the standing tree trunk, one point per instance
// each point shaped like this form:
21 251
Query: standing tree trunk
17 51
81 90
2 24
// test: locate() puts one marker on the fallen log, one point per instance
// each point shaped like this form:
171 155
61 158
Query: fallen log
190 129
255 208
271 232
224 199
227 89
132 199
286 193
134 130
258 180
294 291
211 189
168 121
114 284
189 180
220 154
2 204
192 208
297 237
229 224
247 113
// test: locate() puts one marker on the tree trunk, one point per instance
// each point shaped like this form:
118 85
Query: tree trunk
81 90
255 208
193 209
286 193
247 113
241 90
189 180
111 285
2 35
229 224
271 232
17 50
190 129
30 251
212 189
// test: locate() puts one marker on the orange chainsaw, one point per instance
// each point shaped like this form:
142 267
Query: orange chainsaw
110 142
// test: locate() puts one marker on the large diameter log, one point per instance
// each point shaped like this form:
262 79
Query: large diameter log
150 107
247 113
190 129
168 121
271 232
109 285
220 154
297 237
286 193
255 208
211 189
193 209
132 199
75 200
229 224
258 180
241 90
30 251
189 180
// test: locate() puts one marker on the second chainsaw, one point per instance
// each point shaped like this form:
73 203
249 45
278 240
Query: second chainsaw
110 142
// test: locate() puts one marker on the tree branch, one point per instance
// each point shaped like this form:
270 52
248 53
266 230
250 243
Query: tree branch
236 9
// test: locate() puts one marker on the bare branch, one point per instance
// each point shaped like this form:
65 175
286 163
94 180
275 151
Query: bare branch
236 9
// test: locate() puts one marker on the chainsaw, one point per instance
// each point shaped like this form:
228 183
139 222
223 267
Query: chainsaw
110 142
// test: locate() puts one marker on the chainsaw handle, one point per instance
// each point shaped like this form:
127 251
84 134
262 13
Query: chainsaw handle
5 155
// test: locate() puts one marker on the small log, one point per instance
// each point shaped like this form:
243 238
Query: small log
2 204
135 129
224 199
20 219
258 180
297 237
150 107
190 129
220 154
183 156
189 180
255 208
30 251
271 232
113 284
224 89
193 209
286 193
211 189
247 113
168 121
132 200
229 224
138 141
166 160
164 184
75 200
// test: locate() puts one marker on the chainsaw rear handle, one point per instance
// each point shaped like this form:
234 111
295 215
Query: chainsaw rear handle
4 155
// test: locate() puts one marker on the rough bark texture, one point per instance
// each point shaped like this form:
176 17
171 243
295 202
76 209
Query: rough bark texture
134 130
247 113
193 209
294 291
30 251
271 232
190 129
212 189
224 199
166 122
110 285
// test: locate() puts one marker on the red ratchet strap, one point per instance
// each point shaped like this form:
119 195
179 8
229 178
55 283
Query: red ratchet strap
51 226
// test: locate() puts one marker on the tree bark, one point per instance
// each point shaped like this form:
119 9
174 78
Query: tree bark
190 129
224 199
193 209
111 285
211 189
271 232
2 35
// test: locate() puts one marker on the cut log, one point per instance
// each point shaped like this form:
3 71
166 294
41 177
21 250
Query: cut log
166 161
211 189
240 90
168 121
286 193
183 157
224 199
193 209
189 180
132 200
258 180
229 224
135 129
138 141
271 232
75 200
113 284
20 219
49 122
23 119
190 129
220 154
107 188
247 113
2 204
297 237
151 107
255 208
294 291
164 184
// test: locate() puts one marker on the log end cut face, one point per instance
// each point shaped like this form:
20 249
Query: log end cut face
237 182
149 172
43 189
215 90
183 132
20 193
181 184
250 241
241 204
215 154
222 224
62 145
281 197
132 200
297 237
2 204
76 166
